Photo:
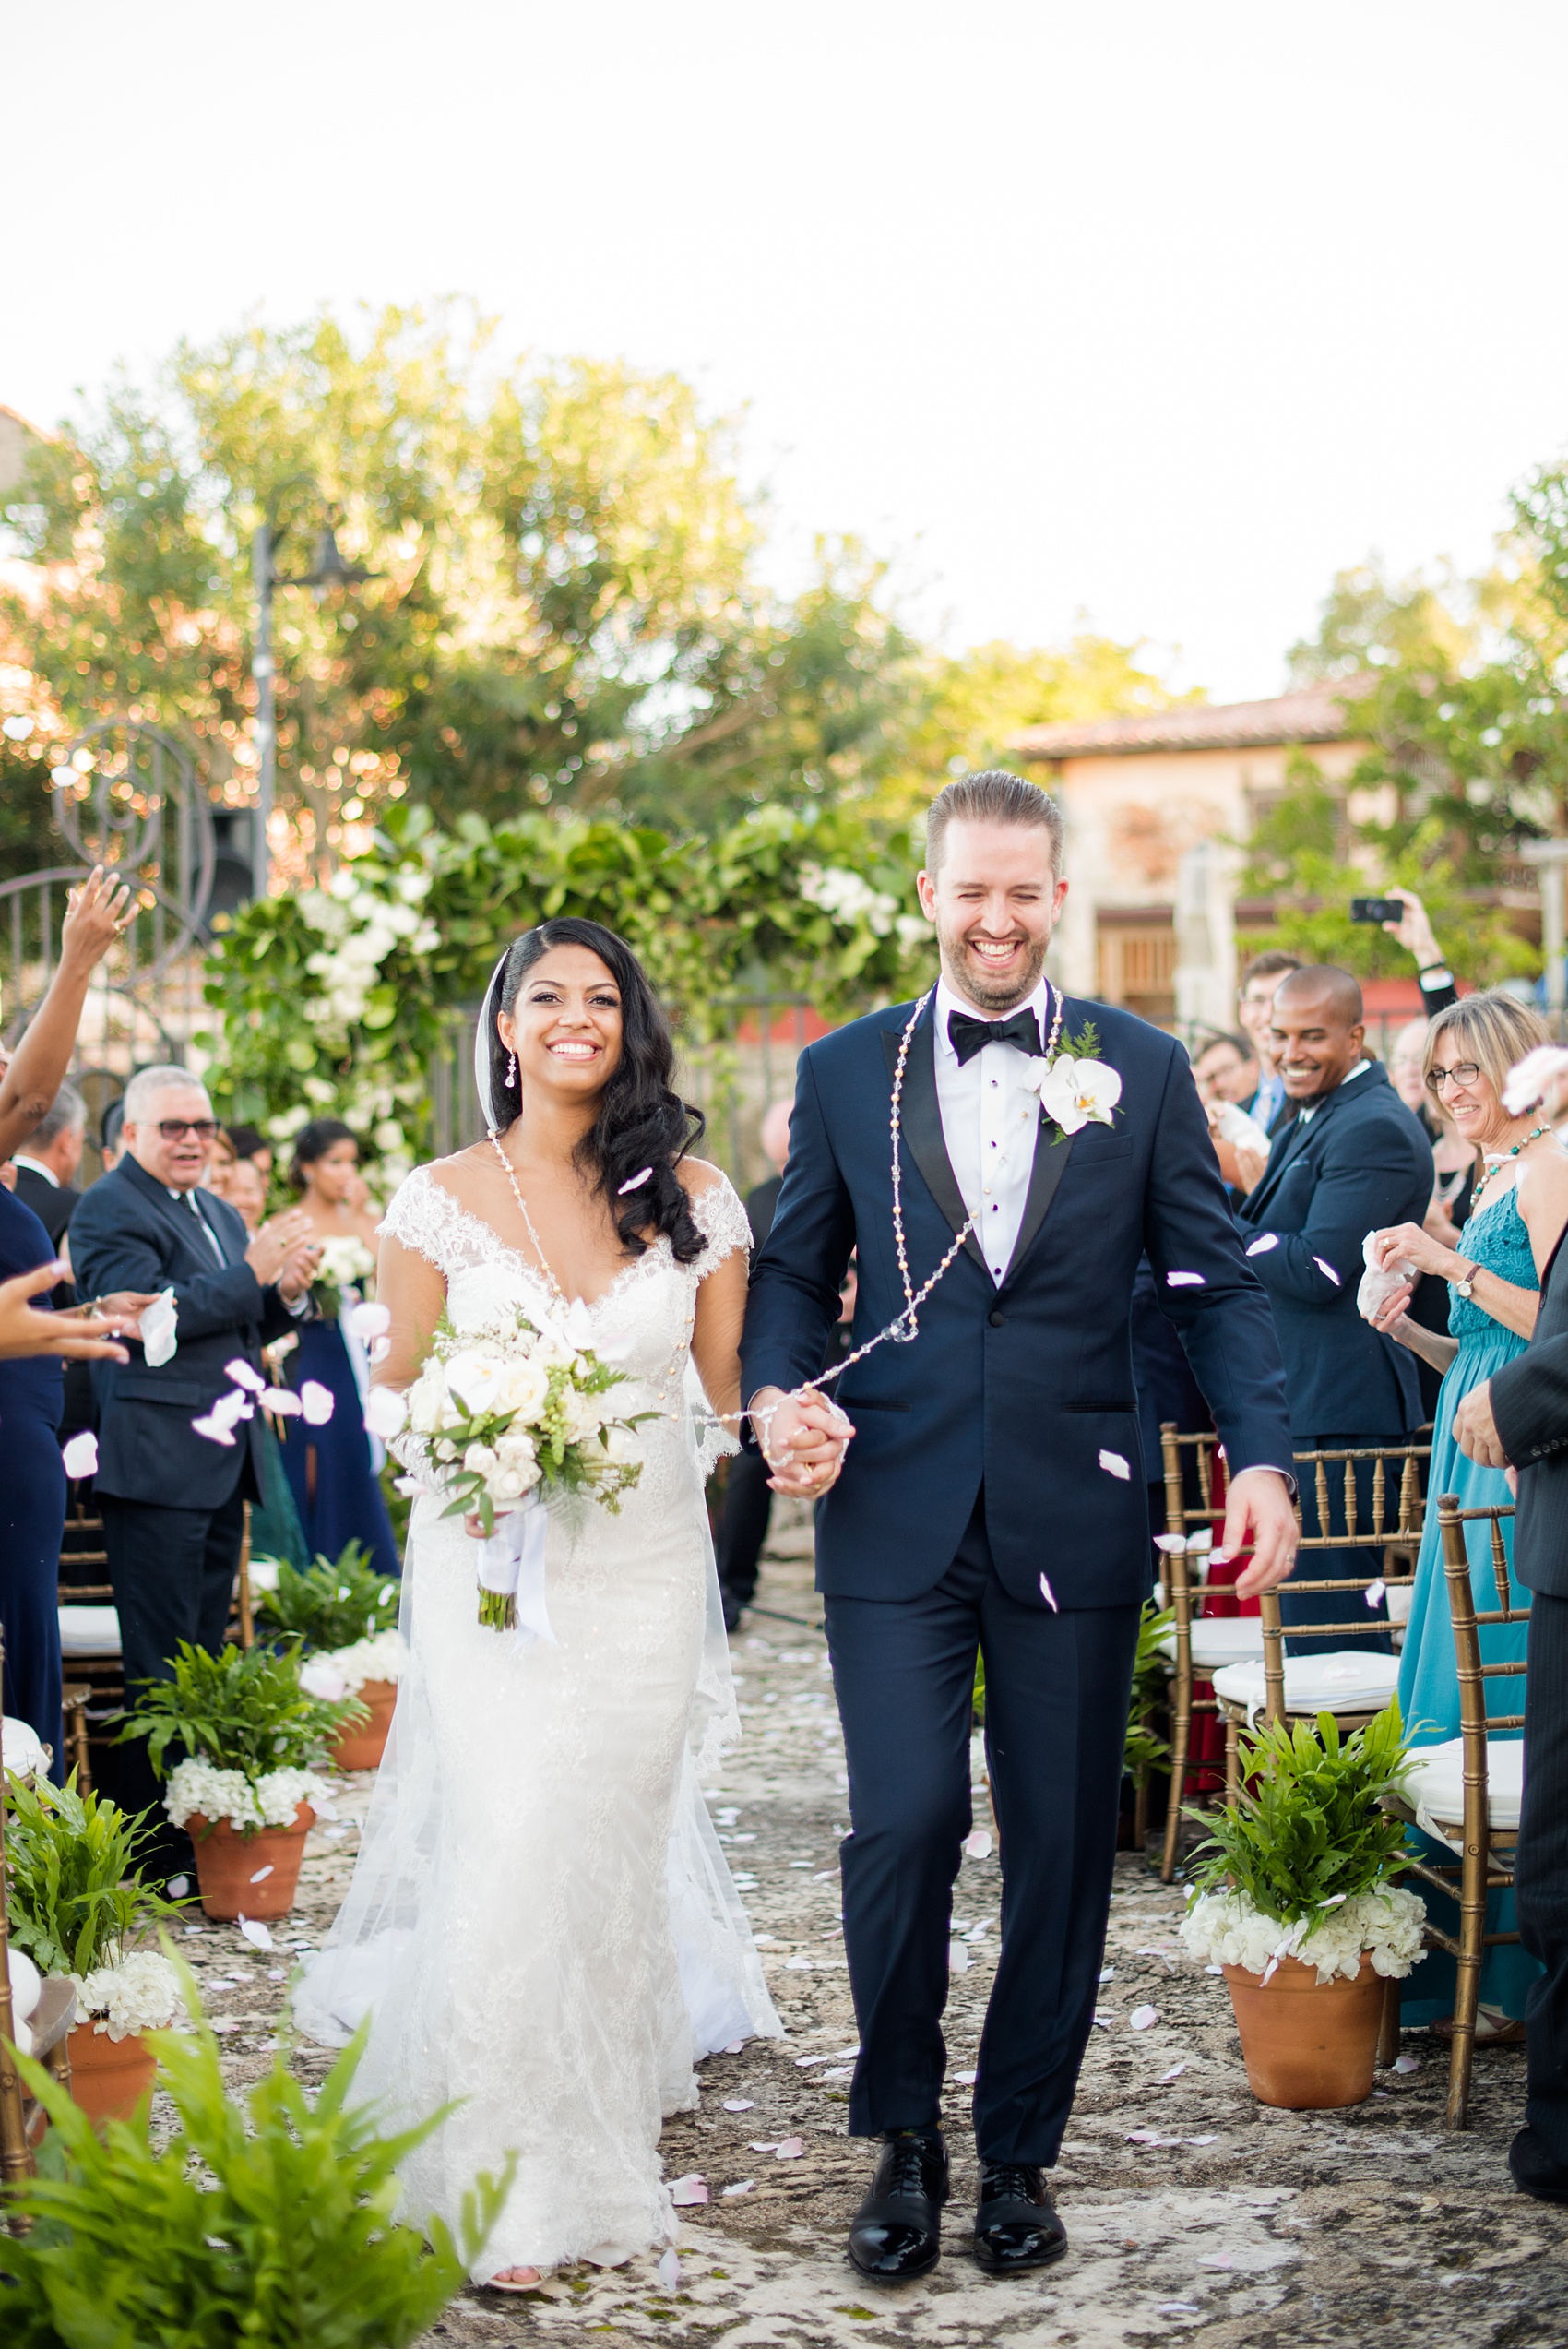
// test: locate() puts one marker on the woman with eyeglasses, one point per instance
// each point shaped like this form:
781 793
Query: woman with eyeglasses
1518 1211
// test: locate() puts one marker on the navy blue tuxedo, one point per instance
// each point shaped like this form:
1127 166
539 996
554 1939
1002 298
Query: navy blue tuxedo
128 1234
1360 1163
994 1498
1021 1385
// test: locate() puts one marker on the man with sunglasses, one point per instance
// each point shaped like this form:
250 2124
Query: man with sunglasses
174 1500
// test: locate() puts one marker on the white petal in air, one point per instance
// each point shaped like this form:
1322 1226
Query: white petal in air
1114 1465
1264 1240
384 1413
243 1376
1047 1593
281 1401
1533 1077
214 1431
1329 1272
368 1322
80 1455
633 1183
317 1402
1376 1594
1185 1281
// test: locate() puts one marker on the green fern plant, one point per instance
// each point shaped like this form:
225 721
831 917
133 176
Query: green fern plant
332 1604
269 2223
241 1709
1307 1827
73 1891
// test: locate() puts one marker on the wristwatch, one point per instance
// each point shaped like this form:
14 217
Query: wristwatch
1466 1287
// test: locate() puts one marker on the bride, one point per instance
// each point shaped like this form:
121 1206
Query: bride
542 1923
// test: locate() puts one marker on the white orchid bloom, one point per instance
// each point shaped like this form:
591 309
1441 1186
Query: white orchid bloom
1074 1092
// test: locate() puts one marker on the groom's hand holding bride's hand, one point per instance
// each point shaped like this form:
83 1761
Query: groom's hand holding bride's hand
1259 1512
803 1439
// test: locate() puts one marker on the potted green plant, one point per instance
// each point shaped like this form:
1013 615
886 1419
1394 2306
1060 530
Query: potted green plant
76 1905
1294 1896
346 1618
267 2222
246 1786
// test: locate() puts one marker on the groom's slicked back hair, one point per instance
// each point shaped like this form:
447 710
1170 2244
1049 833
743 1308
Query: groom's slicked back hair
991 797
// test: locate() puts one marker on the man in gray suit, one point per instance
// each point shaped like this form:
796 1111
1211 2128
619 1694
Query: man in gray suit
1519 1419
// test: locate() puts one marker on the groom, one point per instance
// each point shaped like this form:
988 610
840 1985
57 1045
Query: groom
994 1496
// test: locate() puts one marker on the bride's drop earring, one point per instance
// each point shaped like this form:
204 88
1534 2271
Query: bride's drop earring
511 1070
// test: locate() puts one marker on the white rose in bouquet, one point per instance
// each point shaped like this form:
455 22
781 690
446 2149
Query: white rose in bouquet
580 1415
524 1387
517 1448
479 1459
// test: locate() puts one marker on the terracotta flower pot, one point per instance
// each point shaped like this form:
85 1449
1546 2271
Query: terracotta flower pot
1308 2045
109 2077
255 1875
362 1745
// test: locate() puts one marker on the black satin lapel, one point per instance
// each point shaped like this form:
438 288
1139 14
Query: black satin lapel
921 1127
1051 1157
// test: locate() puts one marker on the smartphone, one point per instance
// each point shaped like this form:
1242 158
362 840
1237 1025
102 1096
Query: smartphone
1376 909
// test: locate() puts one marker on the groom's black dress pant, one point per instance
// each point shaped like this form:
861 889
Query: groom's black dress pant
1057 1690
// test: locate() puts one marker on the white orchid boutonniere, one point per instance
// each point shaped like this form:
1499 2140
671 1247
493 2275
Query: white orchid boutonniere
1076 1089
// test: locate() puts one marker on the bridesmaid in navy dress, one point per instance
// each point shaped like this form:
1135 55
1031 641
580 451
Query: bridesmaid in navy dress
32 1479
331 1468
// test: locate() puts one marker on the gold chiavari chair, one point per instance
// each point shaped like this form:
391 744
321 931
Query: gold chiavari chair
1196 1645
1466 1792
242 1623
94 1685
48 2026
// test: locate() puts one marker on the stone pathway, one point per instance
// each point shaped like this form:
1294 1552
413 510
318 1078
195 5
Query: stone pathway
1222 2223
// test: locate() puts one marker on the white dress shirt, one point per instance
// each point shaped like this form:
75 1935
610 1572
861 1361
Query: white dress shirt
989 1120
1309 1109
36 1166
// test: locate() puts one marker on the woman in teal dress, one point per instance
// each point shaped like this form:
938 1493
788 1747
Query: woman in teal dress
1519 1207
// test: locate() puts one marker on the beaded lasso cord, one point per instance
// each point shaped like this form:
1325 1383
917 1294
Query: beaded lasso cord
904 1328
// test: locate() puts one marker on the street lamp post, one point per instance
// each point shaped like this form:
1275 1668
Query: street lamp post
1549 857
328 570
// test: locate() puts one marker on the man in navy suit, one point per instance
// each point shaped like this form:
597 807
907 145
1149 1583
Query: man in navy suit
173 1500
1349 1158
994 1496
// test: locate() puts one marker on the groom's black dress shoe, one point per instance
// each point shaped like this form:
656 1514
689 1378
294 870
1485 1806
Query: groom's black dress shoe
1535 2169
896 2232
1017 2225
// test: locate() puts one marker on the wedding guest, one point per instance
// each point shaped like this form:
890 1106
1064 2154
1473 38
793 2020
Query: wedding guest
1454 1172
47 1169
109 1128
247 1191
250 1142
1519 1209
1519 1417
747 1510
220 1164
1348 1158
332 1470
32 1489
1255 1003
1226 1069
171 1499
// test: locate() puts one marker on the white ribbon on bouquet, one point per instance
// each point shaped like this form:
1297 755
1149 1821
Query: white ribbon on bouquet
511 1562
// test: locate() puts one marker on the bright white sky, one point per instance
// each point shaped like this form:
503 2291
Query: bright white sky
1157 315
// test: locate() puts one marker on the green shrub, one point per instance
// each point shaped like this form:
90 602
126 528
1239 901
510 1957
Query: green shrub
1307 1828
268 2225
72 1885
243 1709
330 1605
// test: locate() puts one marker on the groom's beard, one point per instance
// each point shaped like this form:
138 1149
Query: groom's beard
987 990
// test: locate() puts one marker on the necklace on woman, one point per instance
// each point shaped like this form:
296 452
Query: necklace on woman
1501 1160
556 1290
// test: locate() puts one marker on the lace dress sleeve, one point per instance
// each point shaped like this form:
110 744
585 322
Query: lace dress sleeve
721 1219
423 1215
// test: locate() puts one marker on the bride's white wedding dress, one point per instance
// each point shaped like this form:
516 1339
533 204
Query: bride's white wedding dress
541 1921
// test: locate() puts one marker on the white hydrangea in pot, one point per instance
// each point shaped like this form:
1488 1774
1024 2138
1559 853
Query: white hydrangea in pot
1294 1898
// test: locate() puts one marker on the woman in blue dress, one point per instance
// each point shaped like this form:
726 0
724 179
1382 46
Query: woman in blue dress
333 1470
1519 1208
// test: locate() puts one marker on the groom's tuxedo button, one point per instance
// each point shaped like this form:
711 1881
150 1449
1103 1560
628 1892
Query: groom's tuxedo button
996 1317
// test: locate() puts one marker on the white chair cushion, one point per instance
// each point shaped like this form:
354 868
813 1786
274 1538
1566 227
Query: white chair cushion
1346 1680
1233 1639
89 1632
1435 1786
21 1748
1400 1598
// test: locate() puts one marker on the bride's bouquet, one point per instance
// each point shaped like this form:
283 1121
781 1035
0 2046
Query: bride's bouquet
514 1413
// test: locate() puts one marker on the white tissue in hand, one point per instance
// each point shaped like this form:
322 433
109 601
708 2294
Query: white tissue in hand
158 1326
1379 1281
1233 1125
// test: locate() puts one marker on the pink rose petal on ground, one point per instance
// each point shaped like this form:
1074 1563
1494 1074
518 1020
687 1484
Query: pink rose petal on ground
978 1845
1142 2017
1186 1281
790 2149
742 2187
686 2192
317 1401
1209 2140
1407 2063
966 2079
80 1455
254 1932
1174 2073
757 2145
670 2271
243 1376
740 2104
1264 1240
1114 1465
1150 2137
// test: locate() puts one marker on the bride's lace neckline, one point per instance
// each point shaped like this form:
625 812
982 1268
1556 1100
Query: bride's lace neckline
495 1245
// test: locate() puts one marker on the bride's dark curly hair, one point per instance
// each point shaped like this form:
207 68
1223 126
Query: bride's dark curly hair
642 1120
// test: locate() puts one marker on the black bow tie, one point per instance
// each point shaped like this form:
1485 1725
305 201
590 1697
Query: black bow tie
968 1036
